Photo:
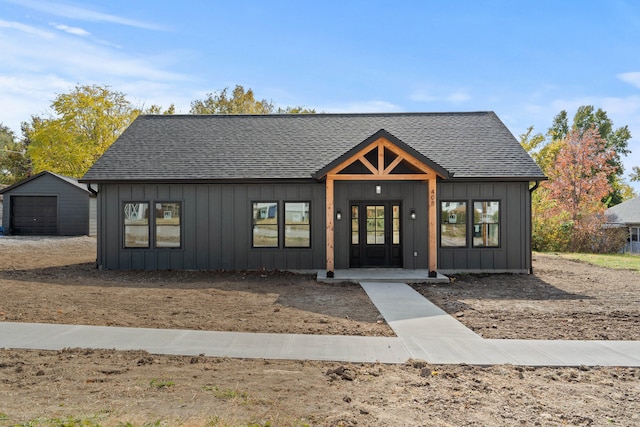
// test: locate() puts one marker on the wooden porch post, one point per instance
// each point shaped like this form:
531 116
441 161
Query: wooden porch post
330 228
433 228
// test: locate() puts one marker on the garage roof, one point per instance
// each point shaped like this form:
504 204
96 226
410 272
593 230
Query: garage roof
71 181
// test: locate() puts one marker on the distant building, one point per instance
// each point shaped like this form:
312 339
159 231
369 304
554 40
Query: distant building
48 204
627 214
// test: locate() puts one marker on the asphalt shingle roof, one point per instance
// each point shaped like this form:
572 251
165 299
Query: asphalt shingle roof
219 147
627 212
66 179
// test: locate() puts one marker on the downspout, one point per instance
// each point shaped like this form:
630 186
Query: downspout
531 190
91 190
95 194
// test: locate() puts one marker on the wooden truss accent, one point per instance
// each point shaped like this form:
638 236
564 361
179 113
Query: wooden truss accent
380 172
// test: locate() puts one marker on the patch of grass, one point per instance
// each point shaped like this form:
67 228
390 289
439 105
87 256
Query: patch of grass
226 394
93 422
613 261
60 422
157 423
156 383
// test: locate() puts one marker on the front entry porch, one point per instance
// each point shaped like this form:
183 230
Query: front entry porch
396 275
378 231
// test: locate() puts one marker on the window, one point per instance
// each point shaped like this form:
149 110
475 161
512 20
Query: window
265 225
297 230
136 225
486 224
375 225
168 225
395 228
355 227
453 224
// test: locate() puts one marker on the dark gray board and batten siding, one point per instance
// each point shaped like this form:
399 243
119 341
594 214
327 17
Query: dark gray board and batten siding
216 227
414 233
515 228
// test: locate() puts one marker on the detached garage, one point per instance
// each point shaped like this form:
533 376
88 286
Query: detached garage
48 204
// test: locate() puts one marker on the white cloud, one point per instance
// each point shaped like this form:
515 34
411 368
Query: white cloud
632 78
84 14
71 30
77 59
361 107
456 96
27 95
40 63
26 29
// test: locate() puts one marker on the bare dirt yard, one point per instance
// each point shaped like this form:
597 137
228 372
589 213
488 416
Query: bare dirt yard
53 280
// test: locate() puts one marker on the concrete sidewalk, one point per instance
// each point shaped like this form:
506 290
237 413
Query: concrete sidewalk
423 332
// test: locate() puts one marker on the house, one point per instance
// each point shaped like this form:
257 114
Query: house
446 192
48 204
627 214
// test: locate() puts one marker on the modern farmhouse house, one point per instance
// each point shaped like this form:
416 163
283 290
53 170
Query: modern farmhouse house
447 192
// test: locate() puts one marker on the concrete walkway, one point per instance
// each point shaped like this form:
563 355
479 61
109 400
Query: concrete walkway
423 332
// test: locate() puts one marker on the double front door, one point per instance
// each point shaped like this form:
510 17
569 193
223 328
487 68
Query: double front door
375 234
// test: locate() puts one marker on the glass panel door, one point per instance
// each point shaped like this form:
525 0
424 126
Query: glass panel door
375 225
375 234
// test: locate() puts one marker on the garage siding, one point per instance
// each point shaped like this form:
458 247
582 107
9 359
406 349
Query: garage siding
72 206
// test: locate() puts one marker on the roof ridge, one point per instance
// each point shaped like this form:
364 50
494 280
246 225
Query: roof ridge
279 115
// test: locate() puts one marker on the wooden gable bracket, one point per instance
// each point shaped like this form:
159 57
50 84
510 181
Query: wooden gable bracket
377 173
380 172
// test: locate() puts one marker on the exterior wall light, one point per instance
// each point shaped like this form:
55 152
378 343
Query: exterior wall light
413 214
338 215
378 189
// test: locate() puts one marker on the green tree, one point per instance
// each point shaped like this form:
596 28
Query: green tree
14 163
635 175
296 110
157 109
540 149
617 140
240 102
87 121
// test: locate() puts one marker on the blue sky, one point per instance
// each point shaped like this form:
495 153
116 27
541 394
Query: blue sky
526 61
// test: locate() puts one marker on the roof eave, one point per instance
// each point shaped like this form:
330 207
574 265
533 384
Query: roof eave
194 180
